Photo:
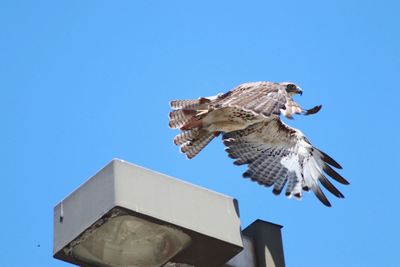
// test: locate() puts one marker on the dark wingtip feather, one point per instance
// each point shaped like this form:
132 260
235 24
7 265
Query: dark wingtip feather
332 173
321 196
330 187
277 191
240 162
329 160
297 195
228 142
247 174
232 156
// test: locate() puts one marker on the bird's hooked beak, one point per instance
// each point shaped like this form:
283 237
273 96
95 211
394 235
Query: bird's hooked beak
293 89
299 90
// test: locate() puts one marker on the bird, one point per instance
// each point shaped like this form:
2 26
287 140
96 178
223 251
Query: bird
248 118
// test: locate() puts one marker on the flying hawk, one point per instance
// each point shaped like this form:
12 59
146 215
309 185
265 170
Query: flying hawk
248 117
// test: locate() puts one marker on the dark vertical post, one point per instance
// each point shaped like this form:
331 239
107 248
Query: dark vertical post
268 245
262 246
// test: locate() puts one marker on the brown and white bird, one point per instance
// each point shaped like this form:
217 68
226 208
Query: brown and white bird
248 117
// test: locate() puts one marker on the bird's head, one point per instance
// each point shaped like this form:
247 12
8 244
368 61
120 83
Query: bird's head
291 88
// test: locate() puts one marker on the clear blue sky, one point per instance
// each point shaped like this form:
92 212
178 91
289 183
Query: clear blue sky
82 82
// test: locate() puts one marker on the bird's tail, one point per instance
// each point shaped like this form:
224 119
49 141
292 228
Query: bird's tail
186 116
187 111
193 104
193 141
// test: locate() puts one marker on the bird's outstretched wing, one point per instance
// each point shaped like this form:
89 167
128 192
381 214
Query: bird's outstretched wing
277 154
261 98
265 98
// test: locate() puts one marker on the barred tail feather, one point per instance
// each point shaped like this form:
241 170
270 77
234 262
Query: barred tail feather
185 110
186 116
180 117
178 104
193 141
195 104
185 136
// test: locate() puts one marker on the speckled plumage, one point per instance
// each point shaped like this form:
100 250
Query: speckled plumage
248 117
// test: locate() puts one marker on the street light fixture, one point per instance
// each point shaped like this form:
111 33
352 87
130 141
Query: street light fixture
129 216
125 240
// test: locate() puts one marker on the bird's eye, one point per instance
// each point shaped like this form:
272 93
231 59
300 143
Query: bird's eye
291 87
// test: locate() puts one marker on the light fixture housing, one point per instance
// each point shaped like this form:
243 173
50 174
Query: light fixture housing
126 215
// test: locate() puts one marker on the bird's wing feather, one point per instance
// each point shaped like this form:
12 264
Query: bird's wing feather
263 98
277 154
